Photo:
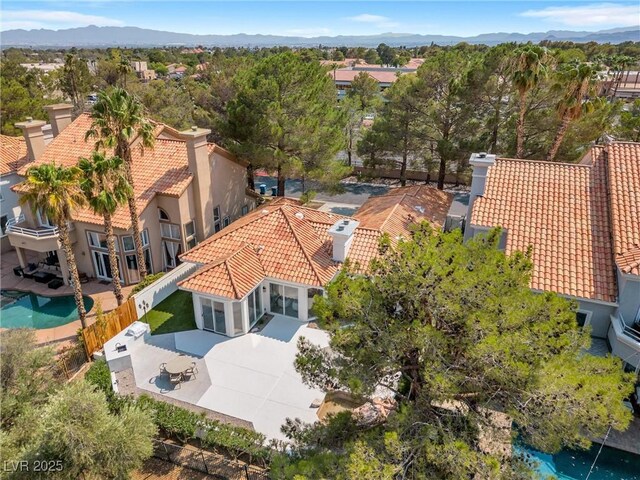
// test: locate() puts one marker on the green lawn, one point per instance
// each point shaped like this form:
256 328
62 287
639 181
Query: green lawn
173 314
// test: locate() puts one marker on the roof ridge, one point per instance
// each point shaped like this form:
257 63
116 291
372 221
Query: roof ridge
533 160
293 232
233 283
258 216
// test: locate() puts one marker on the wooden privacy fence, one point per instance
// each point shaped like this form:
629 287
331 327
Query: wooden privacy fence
108 326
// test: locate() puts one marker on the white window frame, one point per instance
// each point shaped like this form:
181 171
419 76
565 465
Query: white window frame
190 237
170 231
217 219
133 243
163 212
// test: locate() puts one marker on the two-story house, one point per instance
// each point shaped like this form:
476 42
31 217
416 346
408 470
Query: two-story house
186 189
582 222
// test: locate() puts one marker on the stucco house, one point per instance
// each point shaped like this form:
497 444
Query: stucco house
186 189
582 222
277 258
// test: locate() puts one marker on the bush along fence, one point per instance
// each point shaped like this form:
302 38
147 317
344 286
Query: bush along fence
228 440
108 325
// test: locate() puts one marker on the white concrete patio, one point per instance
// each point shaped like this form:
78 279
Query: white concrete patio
250 377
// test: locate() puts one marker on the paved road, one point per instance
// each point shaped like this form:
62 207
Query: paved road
354 194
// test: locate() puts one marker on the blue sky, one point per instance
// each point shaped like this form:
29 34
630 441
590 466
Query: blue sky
312 18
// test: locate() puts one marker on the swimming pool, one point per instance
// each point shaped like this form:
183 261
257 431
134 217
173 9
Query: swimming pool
28 310
612 464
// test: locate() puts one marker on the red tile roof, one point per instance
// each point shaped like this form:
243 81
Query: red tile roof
348 75
230 277
161 170
562 211
404 206
624 188
292 243
13 154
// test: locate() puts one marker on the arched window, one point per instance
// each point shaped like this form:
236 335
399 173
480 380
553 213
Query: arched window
163 215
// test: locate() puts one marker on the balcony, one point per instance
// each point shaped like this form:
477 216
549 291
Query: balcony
625 341
39 239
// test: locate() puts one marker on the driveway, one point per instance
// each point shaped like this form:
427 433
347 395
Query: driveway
250 377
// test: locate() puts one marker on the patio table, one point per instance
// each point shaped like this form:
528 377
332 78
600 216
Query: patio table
178 364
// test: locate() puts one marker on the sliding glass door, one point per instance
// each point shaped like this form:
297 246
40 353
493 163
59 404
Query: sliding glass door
254 301
213 317
283 300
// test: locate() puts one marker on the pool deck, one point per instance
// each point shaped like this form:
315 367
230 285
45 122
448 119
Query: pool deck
98 291
629 440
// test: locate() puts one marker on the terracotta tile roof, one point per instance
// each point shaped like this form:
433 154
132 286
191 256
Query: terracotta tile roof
230 277
291 242
161 170
401 207
288 247
13 154
562 212
348 75
624 187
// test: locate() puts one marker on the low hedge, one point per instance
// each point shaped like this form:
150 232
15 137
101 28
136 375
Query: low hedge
184 424
148 280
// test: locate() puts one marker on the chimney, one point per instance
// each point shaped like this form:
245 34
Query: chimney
59 117
200 168
342 234
32 132
480 163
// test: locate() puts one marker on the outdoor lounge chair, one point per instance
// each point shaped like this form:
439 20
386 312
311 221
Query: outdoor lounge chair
163 368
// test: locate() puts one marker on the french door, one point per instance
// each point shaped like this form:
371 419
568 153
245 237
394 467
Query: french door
103 266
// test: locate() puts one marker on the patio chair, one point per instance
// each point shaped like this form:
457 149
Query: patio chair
163 368
175 380
191 372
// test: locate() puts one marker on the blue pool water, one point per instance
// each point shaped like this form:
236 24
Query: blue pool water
28 310
612 464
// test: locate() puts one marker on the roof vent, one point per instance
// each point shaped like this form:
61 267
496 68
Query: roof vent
194 128
265 211
299 215
482 155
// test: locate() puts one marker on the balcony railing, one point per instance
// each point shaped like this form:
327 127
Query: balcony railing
40 232
629 331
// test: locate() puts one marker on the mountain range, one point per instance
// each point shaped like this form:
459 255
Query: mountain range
92 36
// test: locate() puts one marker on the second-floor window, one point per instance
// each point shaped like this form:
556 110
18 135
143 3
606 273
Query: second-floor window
217 226
170 230
190 234
99 240
3 225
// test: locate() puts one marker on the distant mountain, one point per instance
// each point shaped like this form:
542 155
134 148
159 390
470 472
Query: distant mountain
93 36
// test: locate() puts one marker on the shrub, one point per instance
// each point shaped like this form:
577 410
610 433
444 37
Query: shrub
148 280
183 424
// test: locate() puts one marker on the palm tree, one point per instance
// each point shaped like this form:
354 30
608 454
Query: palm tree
575 81
118 118
55 191
529 68
106 188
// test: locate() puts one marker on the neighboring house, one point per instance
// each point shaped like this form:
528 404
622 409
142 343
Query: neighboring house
13 156
186 189
277 258
343 77
582 222
142 72
621 85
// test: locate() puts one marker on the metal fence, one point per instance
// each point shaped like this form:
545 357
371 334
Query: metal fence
206 462
70 361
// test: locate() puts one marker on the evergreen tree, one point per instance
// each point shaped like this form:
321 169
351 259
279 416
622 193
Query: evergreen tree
284 118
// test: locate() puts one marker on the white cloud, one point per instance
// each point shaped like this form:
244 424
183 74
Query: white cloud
309 32
377 20
601 14
53 19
